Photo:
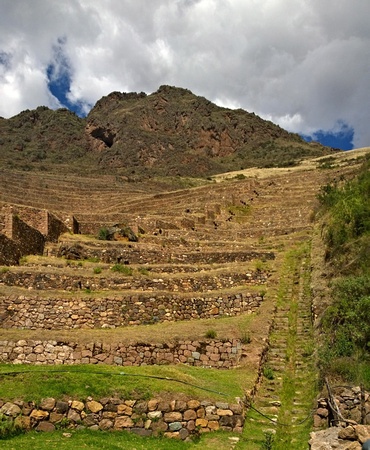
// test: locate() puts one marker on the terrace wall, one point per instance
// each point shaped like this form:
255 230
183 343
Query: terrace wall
36 312
9 251
24 231
173 418
215 353
27 239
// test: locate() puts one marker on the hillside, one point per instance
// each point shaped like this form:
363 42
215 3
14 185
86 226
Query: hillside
170 132
216 294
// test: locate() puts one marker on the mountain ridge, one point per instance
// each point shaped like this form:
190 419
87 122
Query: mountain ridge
167 133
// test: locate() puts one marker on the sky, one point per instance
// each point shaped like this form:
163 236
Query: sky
303 64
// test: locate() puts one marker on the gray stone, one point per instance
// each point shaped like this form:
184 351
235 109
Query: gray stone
47 404
46 427
105 424
61 407
10 409
175 426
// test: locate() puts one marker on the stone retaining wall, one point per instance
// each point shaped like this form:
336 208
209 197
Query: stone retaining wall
351 437
34 312
28 239
134 254
9 251
25 231
220 354
172 418
55 227
111 281
353 404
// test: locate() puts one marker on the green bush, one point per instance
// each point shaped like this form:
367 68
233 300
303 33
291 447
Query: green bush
121 268
268 373
97 270
143 271
347 320
211 334
8 428
348 219
103 234
269 440
245 338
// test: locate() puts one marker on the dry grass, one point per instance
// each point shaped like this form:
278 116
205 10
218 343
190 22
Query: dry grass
306 165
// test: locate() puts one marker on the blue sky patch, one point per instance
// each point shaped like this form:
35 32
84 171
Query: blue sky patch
342 139
59 78
5 59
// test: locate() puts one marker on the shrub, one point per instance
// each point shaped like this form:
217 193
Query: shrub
103 234
240 176
269 440
93 259
346 233
97 270
8 428
23 260
121 268
268 373
143 271
211 334
346 321
245 338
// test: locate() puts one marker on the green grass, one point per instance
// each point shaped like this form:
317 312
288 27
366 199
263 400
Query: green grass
100 440
32 383
86 439
287 385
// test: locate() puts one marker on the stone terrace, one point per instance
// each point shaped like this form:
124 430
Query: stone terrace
207 253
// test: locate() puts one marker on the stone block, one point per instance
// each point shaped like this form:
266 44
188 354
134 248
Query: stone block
173 416
46 427
48 404
94 406
190 414
105 424
201 422
77 405
38 414
123 422
124 409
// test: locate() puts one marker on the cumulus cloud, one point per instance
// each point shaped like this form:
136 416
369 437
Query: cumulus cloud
304 65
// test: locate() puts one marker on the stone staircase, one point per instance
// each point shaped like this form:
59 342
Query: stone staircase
284 404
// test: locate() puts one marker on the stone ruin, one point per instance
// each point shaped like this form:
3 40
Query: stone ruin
25 230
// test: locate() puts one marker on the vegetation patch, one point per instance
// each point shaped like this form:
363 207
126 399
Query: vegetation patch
346 322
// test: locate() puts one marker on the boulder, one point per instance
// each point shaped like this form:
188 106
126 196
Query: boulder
10 409
120 232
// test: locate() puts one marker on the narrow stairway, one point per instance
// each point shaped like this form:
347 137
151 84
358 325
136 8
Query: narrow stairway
280 414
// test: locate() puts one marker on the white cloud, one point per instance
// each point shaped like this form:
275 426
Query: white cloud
304 65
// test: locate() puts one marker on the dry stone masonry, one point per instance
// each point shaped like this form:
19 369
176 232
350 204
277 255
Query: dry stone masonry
354 406
174 418
218 354
110 281
25 230
35 312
